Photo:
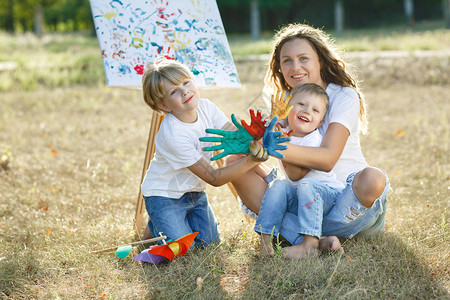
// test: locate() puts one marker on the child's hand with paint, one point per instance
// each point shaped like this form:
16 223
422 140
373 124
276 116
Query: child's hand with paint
231 142
279 105
257 125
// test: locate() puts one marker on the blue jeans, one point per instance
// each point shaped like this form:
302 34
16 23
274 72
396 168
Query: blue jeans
343 216
177 217
305 207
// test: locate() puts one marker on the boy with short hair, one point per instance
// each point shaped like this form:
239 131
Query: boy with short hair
173 187
295 195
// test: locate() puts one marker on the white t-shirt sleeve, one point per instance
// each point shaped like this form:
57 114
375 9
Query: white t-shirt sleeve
346 109
216 115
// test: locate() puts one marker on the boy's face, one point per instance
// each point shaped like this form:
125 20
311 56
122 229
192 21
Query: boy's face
181 100
307 113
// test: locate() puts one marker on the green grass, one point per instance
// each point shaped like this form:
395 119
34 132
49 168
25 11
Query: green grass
71 156
61 60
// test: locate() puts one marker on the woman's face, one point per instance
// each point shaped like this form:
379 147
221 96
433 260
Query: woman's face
300 63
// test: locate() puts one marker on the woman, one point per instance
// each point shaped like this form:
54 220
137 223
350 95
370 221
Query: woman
302 54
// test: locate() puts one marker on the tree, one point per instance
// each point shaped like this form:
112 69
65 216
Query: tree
9 18
338 16
409 12
255 24
39 20
446 9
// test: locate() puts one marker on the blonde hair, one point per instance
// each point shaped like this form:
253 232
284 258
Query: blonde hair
332 67
312 89
152 81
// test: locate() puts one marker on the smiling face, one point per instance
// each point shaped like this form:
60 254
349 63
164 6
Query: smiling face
307 113
181 100
299 63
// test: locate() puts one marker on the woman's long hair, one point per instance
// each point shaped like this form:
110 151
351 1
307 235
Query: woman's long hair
332 67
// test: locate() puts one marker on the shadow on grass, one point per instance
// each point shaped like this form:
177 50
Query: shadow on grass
380 267
18 272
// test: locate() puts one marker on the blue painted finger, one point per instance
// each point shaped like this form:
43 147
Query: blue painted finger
276 154
281 147
283 139
277 134
272 123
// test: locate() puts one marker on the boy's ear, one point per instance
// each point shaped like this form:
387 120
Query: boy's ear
163 107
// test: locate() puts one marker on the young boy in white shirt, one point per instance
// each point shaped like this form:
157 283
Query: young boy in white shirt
305 193
173 187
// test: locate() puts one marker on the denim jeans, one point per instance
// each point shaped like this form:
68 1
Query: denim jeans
177 217
348 218
343 217
307 203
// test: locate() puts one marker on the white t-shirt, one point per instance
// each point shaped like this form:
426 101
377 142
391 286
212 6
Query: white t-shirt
344 109
313 139
178 147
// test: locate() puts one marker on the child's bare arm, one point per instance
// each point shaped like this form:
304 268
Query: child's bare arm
295 172
220 176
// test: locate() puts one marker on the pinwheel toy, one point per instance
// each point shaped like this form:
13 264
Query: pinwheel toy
160 253
124 250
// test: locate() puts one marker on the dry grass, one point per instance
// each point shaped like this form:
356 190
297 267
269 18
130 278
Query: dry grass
69 181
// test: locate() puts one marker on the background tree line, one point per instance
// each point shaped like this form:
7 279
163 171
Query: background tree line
238 16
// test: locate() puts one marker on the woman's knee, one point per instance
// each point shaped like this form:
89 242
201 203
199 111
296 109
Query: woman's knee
368 185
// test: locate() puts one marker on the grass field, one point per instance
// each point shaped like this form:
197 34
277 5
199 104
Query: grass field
72 152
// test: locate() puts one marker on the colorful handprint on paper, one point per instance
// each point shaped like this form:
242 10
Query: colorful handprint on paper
188 31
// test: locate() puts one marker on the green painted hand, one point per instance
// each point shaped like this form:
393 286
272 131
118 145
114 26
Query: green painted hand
231 142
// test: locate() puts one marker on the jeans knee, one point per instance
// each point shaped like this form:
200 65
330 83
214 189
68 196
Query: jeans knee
280 185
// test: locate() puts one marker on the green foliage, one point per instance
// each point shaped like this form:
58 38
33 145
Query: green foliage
72 15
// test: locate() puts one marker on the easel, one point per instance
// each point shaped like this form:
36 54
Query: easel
154 127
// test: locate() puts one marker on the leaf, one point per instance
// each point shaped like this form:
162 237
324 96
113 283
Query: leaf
399 133
222 281
49 232
54 152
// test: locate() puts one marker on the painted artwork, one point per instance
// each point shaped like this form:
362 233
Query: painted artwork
135 33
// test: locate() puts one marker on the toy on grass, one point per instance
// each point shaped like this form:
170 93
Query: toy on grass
160 253
231 142
123 250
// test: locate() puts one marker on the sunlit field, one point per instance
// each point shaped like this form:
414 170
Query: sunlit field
72 152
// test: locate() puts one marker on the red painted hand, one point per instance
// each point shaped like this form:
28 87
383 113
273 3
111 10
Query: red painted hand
257 124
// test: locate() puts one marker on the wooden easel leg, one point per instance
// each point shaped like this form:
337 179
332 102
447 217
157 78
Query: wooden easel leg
140 207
